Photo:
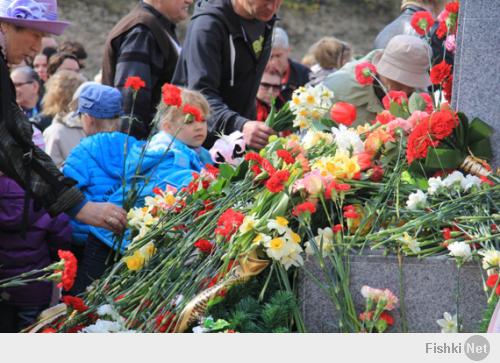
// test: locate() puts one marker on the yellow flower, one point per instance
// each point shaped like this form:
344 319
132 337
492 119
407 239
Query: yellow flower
134 262
170 199
248 224
279 224
293 237
276 243
310 99
261 238
148 250
296 100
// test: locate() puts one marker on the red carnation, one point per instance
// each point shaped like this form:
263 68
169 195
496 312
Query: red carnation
267 166
440 72
365 72
75 302
276 183
171 95
338 228
343 113
253 156
229 222
446 233
492 281
286 156
442 124
394 96
164 322
384 117
136 83
338 187
448 87
306 207
442 30
387 318
70 268
212 170
452 7
350 212
194 112
428 102
422 21
49 330
377 173
419 141
204 246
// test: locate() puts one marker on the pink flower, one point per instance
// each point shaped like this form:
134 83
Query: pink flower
312 182
401 123
391 300
416 117
450 43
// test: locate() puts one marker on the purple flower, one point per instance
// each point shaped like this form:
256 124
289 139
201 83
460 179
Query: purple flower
26 9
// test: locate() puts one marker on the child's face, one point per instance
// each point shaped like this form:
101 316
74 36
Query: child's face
192 134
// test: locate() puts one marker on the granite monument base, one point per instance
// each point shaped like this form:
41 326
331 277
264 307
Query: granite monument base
429 283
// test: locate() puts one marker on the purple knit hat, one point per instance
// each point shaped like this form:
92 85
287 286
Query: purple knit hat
40 15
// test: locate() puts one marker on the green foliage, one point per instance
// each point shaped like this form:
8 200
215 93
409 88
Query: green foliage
245 314
488 313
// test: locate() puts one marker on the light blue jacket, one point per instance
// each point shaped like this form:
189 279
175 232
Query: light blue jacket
96 163
160 166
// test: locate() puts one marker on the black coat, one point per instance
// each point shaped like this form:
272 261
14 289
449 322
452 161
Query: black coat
218 60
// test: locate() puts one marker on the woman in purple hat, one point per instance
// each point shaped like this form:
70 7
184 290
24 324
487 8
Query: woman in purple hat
23 23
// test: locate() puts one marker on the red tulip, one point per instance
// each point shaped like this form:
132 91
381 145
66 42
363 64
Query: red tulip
343 113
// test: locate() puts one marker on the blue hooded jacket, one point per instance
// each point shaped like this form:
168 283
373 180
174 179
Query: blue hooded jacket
160 167
97 165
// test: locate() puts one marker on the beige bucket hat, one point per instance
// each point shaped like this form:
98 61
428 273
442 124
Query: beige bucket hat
406 60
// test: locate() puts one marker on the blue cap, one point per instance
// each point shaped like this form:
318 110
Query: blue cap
99 101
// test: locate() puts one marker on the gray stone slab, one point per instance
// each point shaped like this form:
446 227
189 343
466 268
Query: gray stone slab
429 292
477 65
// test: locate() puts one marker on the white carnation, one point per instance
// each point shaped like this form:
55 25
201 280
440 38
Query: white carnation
470 181
348 140
417 200
460 249
434 185
454 178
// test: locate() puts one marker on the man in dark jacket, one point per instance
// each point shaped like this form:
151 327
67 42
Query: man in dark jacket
226 50
294 75
144 44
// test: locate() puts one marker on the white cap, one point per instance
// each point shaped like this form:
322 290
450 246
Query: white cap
280 38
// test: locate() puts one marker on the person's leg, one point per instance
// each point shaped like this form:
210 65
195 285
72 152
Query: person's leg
27 315
93 264
7 318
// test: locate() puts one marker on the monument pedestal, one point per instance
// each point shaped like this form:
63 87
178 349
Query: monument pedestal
430 290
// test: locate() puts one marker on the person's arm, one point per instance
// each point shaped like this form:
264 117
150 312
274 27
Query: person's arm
138 56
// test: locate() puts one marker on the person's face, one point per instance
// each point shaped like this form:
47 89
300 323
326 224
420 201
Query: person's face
69 65
174 10
279 60
269 88
40 66
392 85
21 43
262 10
193 133
26 90
88 124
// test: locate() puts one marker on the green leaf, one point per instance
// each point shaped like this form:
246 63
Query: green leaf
220 324
478 130
443 159
482 149
226 171
416 103
397 110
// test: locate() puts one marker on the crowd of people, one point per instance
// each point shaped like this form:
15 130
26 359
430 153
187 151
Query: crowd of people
68 146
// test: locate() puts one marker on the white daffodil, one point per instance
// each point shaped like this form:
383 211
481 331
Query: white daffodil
292 237
491 259
248 224
461 250
417 200
324 238
348 140
410 242
276 248
261 239
312 138
435 185
449 324
293 257
279 224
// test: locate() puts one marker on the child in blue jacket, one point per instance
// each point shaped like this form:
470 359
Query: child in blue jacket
97 165
170 158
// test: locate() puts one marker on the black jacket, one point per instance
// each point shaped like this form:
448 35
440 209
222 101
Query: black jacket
298 77
142 45
218 60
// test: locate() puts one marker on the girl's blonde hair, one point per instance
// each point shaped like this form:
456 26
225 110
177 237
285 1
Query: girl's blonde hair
59 92
174 115
331 53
